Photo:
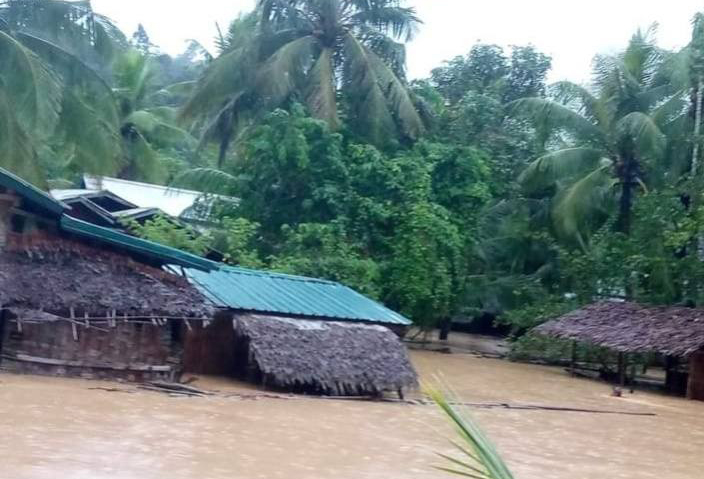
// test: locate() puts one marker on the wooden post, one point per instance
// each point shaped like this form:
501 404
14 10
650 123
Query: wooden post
573 359
622 369
633 378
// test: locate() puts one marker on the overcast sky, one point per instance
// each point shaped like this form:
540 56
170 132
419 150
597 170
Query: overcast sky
570 31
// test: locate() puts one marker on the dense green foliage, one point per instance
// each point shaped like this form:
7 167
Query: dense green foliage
479 190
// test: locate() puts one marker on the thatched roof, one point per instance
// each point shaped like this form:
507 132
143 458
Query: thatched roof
630 327
326 357
59 276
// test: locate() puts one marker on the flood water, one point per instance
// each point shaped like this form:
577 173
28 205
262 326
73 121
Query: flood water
62 429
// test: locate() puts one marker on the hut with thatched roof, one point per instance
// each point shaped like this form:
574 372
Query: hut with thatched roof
331 358
80 300
298 334
627 327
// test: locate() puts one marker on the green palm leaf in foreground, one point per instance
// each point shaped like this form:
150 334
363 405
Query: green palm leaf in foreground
481 459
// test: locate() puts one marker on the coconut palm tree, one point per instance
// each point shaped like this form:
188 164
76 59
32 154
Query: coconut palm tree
608 138
143 124
339 57
50 96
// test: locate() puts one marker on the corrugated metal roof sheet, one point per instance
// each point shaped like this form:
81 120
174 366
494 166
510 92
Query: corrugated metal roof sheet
31 193
137 245
248 290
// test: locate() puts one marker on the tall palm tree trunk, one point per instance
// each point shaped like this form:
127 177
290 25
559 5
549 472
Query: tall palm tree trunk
628 183
697 126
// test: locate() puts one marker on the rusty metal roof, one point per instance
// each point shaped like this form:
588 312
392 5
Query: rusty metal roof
248 290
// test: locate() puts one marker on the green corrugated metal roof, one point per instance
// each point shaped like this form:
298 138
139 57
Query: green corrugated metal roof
248 290
31 193
137 245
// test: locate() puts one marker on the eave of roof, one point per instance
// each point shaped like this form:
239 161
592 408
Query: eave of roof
137 245
31 193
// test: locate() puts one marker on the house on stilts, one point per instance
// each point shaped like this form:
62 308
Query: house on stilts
677 333
80 297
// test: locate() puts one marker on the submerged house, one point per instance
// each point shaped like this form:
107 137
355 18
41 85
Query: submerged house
674 332
81 298
77 299
298 334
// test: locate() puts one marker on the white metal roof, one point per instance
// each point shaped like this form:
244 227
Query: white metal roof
173 201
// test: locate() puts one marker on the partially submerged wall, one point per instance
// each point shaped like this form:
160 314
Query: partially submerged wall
210 348
133 351
695 387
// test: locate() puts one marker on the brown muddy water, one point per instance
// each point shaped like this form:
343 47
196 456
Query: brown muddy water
62 429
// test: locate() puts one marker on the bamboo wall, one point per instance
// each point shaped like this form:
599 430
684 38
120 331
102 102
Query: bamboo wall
695 388
128 350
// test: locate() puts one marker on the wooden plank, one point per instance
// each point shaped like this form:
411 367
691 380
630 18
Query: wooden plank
81 364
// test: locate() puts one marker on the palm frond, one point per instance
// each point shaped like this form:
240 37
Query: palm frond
321 95
581 203
72 24
589 104
671 109
144 164
644 132
17 147
399 22
551 115
560 164
181 91
208 180
133 77
35 91
402 106
393 53
77 75
229 75
279 75
487 462
382 100
155 128
86 139
367 101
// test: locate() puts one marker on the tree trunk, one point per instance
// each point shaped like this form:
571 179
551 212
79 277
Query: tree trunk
445 328
697 126
628 177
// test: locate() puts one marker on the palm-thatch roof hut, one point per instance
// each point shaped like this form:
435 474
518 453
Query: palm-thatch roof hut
70 309
628 327
80 300
298 333
330 358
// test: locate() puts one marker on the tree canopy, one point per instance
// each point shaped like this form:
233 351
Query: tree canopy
482 190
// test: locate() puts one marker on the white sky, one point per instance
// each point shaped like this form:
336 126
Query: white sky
571 31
